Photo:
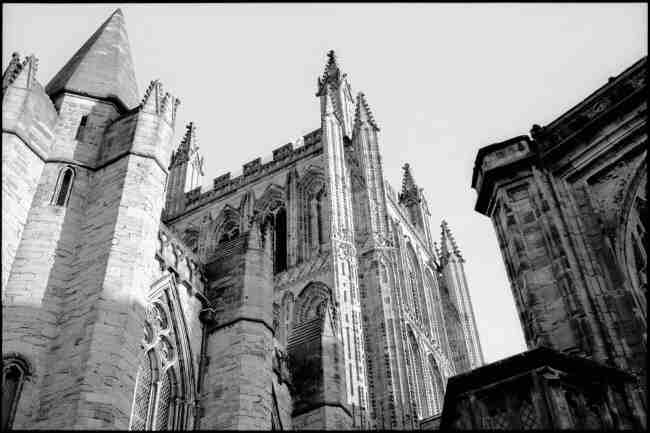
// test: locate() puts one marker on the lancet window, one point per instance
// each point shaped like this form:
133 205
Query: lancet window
314 219
63 186
14 372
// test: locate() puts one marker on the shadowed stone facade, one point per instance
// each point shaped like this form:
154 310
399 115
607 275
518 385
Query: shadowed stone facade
569 207
305 293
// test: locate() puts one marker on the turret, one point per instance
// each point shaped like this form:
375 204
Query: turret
185 172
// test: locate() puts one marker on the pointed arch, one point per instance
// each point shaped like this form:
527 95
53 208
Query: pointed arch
165 388
272 198
632 236
314 212
314 300
272 214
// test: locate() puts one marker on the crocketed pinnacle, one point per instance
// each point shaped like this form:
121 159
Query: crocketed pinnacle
187 147
102 67
363 112
189 140
447 242
331 75
410 192
26 68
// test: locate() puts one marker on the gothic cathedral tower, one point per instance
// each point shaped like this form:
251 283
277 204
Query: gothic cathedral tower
84 189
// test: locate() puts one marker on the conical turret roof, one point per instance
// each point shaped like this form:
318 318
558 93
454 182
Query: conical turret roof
103 66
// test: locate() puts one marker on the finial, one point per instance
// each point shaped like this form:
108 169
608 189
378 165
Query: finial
410 192
12 71
331 75
20 73
362 104
447 240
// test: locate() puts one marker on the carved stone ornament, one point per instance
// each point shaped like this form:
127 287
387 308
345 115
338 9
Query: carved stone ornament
166 350
159 317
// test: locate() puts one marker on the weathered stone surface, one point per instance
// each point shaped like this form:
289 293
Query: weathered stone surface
301 294
102 68
570 210
539 389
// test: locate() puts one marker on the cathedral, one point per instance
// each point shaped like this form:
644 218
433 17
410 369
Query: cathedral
305 293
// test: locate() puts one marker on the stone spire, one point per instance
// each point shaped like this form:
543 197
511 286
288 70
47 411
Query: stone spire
103 66
409 194
363 113
331 75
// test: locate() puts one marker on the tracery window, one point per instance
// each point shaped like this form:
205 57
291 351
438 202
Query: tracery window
161 400
63 187
14 372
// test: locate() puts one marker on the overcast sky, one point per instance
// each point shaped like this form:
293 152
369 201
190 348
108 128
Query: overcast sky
442 80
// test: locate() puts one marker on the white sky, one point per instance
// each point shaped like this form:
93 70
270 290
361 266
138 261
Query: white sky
442 80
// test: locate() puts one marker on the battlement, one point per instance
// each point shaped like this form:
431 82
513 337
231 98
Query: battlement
254 169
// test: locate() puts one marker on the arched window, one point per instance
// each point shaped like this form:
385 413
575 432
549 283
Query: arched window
81 128
63 187
14 372
164 383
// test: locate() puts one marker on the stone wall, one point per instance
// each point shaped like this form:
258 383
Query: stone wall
561 204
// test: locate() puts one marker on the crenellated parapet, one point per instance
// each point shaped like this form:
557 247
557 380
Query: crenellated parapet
174 256
252 171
